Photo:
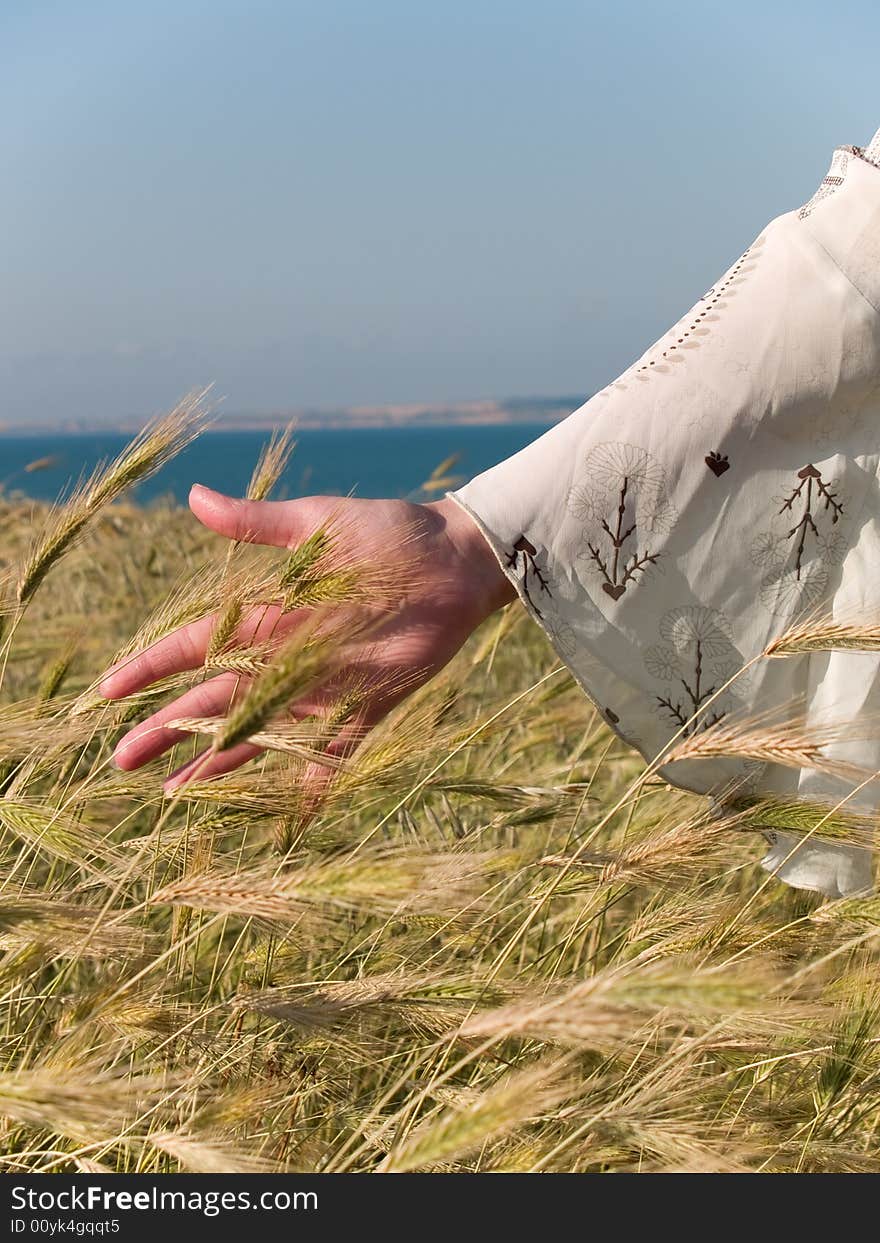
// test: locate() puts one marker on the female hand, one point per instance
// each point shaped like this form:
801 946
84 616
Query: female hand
458 584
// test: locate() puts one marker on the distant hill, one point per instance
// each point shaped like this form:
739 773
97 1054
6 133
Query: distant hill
426 414
491 410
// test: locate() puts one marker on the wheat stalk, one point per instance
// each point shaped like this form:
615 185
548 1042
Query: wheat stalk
271 464
825 635
146 454
507 1105
793 744
484 879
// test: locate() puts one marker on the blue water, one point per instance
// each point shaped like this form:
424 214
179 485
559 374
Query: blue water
391 462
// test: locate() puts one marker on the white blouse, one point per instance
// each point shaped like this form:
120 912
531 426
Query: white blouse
725 485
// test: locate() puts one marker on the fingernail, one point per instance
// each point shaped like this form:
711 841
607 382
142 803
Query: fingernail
119 752
107 678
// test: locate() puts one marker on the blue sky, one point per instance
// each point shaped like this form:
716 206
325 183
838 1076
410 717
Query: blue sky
325 202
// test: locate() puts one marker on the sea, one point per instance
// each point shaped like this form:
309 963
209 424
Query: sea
367 462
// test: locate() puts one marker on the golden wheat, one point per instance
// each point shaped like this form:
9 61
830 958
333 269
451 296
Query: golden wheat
491 946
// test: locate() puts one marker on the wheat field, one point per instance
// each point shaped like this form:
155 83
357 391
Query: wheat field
497 943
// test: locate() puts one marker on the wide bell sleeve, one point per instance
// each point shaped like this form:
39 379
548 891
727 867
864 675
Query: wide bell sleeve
723 487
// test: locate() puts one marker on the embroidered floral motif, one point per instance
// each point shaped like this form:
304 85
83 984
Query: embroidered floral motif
796 559
562 636
624 493
699 656
524 549
832 547
718 463
812 492
785 588
765 550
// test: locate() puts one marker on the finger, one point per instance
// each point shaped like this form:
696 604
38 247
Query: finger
186 649
215 764
281 523
317 778
153 736
211 764
385 688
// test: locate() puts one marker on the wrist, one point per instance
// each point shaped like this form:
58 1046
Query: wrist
492 588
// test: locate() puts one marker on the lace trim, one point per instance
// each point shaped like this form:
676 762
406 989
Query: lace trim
837 172
832 182
872 151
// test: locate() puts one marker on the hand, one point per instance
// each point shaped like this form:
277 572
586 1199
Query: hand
458 584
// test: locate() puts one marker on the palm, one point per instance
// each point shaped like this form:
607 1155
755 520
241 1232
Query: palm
458 584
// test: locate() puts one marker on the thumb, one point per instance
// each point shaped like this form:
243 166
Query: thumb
281 523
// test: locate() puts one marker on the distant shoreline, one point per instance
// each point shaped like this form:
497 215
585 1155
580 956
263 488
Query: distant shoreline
130 429
509 412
